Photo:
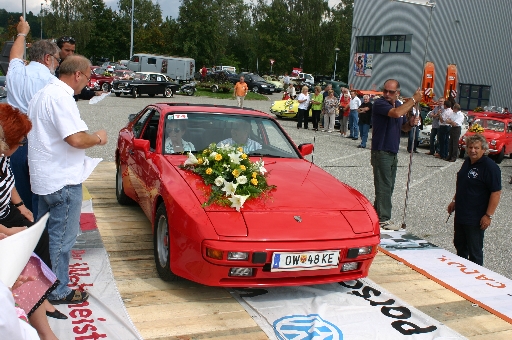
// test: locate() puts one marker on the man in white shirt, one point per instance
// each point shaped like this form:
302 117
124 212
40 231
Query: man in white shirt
456 119
58 165
353 118
22 82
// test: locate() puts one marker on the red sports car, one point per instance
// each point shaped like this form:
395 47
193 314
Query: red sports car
497 130
308 228
100 81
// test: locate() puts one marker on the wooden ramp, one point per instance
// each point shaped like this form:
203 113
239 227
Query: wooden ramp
185 310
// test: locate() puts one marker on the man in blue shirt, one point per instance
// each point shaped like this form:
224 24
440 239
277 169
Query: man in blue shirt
388 120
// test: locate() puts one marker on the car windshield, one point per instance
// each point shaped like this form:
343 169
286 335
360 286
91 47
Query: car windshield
99 71
256 77
139 76
258 136
491 124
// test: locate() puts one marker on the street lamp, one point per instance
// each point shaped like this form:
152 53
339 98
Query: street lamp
131 34
335 62
42 21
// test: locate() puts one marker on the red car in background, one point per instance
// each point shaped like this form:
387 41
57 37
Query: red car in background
100 79
497 131
310 229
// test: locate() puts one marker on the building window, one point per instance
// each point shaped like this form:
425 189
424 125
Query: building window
370 44
472 96
397 44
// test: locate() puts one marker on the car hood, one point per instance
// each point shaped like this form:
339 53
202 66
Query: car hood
488 135
306 197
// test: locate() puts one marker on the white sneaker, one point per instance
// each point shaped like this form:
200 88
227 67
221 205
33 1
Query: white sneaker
389 225
330 131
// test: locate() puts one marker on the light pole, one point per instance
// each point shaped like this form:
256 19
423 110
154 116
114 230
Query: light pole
131 35
335 62
41 21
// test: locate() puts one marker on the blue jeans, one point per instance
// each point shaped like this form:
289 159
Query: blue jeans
412 142
353 122
19 167
65 206
364 128
443 137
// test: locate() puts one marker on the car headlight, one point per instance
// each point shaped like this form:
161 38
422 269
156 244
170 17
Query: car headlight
493 142
273 103
263 85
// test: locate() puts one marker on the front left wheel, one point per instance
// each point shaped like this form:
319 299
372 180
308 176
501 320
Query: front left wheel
120 195
105 87
161 244
255 89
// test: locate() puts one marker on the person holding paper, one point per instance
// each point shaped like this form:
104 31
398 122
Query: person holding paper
58 165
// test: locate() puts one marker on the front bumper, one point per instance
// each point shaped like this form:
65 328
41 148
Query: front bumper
121 90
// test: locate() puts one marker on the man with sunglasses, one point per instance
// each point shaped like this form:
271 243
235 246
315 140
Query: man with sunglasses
23 82
58 165
389 119
67 48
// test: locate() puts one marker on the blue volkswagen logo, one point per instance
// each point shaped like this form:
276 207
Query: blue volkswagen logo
306 327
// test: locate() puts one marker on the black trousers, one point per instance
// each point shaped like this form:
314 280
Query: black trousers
316 118
453 148
16 219
302 115
469 242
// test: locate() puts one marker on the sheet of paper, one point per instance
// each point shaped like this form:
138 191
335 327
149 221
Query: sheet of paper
96 99
16 249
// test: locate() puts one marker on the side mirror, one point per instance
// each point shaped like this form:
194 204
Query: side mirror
141 144
131 117
306 149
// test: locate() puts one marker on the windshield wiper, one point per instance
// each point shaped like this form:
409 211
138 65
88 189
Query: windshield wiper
266 155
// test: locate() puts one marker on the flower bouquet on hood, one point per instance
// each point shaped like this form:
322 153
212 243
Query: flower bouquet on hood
230 174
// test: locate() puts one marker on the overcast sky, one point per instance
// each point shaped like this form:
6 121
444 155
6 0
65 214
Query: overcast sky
169 7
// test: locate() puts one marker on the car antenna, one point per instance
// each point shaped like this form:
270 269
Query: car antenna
432 5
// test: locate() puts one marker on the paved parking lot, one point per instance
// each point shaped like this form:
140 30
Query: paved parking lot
432 184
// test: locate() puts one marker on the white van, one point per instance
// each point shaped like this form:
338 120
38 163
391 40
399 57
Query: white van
229 68
308 78
177 68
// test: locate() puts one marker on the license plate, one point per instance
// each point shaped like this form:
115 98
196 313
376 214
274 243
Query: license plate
308 260
271 90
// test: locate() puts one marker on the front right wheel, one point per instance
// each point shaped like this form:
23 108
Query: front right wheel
120 195
162 245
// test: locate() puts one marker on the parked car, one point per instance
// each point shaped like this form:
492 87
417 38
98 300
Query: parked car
424 136
497 131
274 81
145 83
289 108
257 84
289 237
100 79
3 90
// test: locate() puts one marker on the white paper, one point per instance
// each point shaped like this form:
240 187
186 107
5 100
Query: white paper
15 251
96 99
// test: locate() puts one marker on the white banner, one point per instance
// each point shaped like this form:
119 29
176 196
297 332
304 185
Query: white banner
347 310
482 286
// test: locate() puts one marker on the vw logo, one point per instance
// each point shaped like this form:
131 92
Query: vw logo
306 327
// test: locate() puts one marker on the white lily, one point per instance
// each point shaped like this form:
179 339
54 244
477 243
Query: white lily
219 181
206 161
261 167
225 146
235 157
213 154
229 188
241 179
237 201
191 160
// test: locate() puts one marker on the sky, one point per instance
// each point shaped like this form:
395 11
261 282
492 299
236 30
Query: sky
169 7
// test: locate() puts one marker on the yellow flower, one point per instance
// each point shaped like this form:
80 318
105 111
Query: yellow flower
254 181
206 151
199 161
244 156
254 174
242 167
240 149
218 157
209 171
236 173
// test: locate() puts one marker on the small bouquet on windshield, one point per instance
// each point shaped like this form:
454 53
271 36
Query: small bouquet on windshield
231 175
476 128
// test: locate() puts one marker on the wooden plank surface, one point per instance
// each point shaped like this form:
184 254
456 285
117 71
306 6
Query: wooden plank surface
184 310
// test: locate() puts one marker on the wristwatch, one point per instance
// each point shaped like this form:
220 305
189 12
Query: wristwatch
490 216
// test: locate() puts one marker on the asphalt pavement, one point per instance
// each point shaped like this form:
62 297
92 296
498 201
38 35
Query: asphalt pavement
432 183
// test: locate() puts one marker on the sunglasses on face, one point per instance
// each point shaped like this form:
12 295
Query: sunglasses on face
62 40
388 91
174 130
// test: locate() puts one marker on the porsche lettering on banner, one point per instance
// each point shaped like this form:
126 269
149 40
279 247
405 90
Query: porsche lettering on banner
347 310
482 286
